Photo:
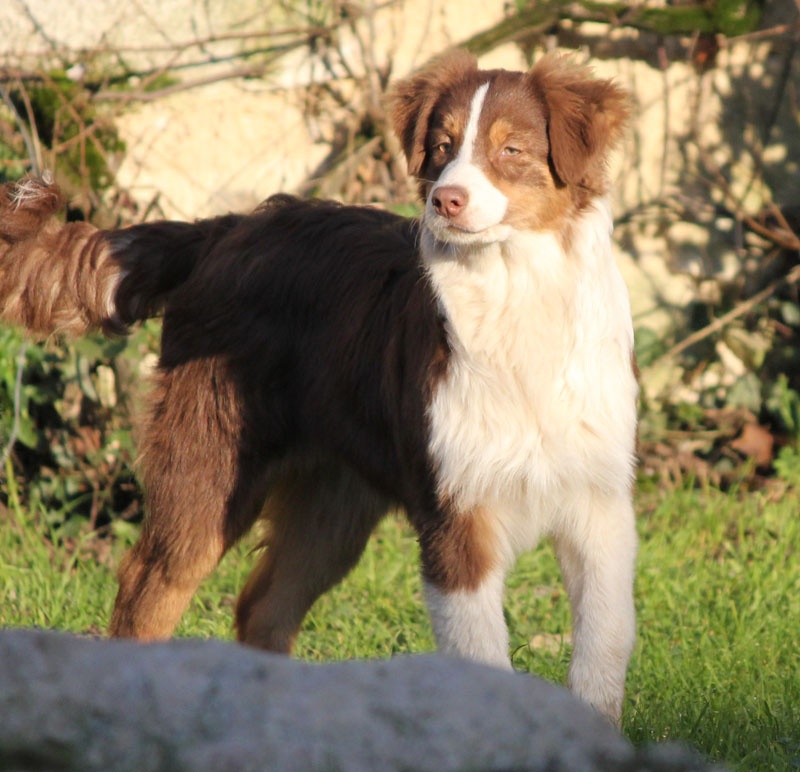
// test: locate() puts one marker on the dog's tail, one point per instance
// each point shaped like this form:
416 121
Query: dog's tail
69 278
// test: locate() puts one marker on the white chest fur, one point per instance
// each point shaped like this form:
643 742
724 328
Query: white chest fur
539 402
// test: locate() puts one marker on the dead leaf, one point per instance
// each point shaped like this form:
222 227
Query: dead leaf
755 442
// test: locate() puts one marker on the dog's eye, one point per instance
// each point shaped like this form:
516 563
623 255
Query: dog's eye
443 147
511 150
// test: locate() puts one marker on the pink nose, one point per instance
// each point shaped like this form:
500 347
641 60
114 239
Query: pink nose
449 201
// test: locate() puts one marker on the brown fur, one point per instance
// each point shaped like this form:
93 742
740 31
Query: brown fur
319 516
189 462
586 117
70 294
215 454
459 552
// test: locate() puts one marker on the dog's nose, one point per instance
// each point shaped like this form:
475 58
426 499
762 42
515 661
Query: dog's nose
449 201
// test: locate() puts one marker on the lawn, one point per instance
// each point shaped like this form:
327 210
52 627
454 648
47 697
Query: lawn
718 595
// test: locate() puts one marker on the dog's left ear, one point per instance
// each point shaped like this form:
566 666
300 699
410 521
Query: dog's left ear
411 102
585 117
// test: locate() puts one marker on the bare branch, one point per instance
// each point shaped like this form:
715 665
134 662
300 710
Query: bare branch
29 136
143 95
783 236
723 321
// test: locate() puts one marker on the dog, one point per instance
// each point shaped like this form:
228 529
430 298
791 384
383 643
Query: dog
323 364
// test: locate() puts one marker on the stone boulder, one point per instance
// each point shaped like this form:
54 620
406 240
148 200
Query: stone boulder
71 703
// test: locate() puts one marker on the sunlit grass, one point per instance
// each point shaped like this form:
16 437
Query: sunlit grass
718 597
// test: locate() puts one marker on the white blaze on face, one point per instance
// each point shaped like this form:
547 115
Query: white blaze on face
486 205
471 132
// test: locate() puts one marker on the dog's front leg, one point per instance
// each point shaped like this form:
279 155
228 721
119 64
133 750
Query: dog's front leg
597 556
469 622
464 576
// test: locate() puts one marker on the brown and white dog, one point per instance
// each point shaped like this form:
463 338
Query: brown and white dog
322 364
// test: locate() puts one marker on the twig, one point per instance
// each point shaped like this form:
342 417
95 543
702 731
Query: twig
31 140
281 42
773 32
785 237
37 25
152 96
304 31
723 321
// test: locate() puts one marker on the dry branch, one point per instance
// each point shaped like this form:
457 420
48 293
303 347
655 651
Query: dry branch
678 19
720 323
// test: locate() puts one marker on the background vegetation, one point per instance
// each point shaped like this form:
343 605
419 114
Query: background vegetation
719 583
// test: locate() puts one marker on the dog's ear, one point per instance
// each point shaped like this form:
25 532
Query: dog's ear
585 117
412 100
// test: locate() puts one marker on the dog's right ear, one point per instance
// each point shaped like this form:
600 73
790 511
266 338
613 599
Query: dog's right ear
412 100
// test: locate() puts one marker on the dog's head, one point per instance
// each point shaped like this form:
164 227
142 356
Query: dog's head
496 150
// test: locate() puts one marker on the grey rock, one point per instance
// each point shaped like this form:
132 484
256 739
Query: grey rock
69 703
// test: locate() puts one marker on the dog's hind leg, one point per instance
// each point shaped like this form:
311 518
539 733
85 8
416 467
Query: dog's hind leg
201 497
319 517
597 559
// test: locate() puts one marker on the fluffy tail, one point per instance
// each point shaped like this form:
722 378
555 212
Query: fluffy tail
69 278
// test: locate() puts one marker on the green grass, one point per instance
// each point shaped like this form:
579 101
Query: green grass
718 596
718 660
